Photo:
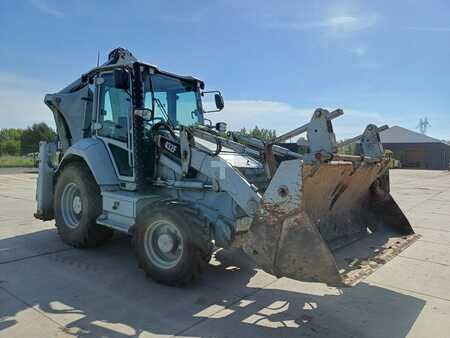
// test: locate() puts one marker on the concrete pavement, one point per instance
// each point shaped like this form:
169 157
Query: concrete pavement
48 289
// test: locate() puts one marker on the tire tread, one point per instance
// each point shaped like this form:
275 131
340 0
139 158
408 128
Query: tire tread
93 235
199 227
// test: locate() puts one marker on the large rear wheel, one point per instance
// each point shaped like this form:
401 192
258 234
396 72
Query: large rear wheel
77 205
172 243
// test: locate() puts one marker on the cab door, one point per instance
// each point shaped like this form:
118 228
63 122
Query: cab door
114 107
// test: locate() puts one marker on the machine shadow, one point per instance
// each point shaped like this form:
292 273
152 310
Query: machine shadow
102 292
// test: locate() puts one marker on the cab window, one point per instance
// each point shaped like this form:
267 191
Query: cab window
115 107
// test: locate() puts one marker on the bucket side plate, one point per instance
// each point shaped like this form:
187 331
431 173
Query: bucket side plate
282 240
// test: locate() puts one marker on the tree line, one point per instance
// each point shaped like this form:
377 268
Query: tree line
16 141
261 133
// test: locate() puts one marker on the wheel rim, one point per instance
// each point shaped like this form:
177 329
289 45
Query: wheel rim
71 206
163 244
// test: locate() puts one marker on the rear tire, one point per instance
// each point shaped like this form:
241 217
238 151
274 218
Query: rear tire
172 243
77 205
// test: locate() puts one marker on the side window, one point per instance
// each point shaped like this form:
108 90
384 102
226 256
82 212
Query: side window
187 113
107 110
115 107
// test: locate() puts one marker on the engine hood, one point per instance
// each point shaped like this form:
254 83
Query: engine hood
232 157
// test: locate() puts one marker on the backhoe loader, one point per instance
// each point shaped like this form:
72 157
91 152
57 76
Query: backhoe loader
135 154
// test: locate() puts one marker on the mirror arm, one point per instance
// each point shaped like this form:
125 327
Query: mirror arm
209 121
216 92
211 111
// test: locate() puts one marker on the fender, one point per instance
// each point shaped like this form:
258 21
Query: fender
93 151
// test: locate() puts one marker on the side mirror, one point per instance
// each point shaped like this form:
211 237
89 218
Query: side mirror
121 79
219 101
218 98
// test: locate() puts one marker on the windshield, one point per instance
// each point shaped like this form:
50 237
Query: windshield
173 97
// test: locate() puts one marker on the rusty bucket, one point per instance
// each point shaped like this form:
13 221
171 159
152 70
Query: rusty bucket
332 222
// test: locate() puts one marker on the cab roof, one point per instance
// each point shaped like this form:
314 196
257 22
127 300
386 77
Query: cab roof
123 57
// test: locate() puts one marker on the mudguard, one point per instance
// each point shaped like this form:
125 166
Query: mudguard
93 151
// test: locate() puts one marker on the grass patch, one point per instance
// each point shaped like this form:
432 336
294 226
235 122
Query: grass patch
7 161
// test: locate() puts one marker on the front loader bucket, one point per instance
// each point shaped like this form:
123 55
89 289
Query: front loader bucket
331 222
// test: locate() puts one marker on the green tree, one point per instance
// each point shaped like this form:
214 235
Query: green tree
10 147
31 137
10 141
10 134
263 134
349 149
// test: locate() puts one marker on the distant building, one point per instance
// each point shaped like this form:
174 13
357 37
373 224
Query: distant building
415 150
412 149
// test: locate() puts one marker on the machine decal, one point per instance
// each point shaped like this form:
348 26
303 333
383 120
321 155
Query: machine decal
170 147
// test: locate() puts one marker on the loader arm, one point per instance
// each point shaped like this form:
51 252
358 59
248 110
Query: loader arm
224 177
323 217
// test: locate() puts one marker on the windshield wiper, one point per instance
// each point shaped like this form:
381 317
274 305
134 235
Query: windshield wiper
161 107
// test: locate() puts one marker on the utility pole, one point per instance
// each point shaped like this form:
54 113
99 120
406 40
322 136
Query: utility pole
423 125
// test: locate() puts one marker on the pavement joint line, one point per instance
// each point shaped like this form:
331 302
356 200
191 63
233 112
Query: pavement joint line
18 176
409 290
434 229
425 240
438 213
114 240
419 203
433 242
424 260
10 179
43 314
441 200
225 308
35 256
16 198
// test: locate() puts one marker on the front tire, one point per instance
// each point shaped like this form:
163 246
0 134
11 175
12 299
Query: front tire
172 243
77 205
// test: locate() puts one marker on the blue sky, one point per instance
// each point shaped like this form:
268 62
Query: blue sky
274 61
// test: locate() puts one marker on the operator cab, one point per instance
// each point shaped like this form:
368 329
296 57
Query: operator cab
137 101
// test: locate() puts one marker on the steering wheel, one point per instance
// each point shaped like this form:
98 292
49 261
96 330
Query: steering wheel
163 125
160 119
